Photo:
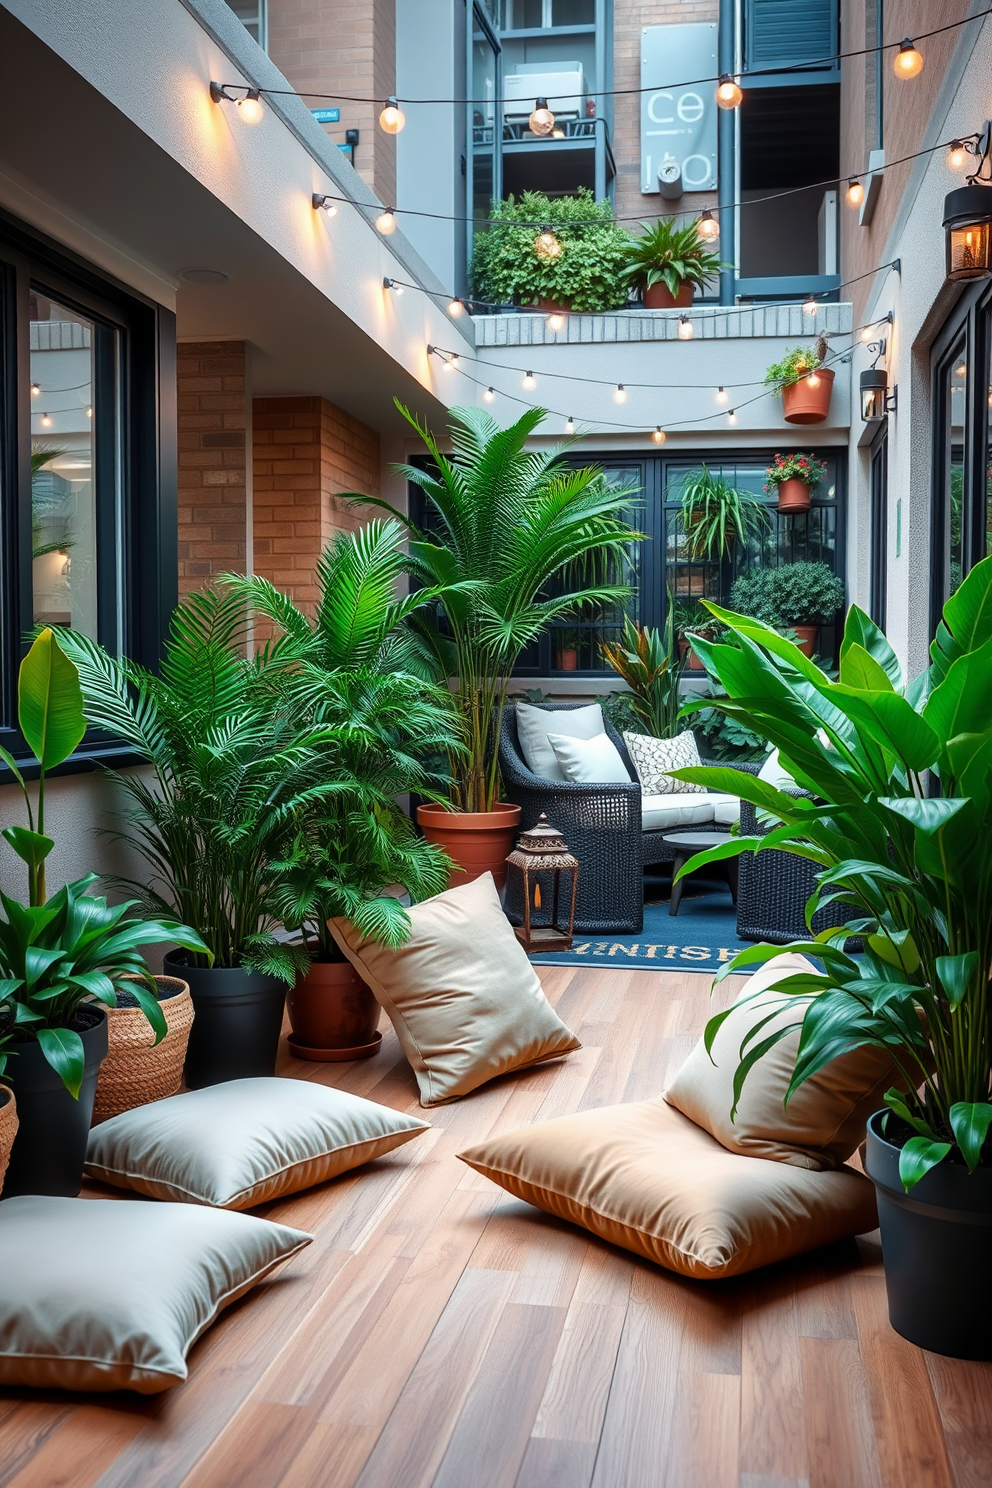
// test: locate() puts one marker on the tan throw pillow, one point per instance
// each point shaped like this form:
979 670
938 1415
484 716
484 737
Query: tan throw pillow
826 1118
644 1177
244 1142
653 758
466 1003
104 1295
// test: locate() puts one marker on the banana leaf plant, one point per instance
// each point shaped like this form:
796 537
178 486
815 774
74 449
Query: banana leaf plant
899 824
648 661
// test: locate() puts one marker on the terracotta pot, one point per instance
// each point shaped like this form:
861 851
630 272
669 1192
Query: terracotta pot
8 1128
793 495
568 660
806 404
136 1069
333 1014
476 841
695 665
806 637
552 307
660 297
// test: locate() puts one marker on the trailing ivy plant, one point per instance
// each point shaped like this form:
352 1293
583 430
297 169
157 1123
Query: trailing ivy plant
587 273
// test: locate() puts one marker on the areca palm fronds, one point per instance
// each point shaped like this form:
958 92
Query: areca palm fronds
509 530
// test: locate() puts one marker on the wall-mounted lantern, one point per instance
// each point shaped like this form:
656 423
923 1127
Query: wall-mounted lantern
968 219
876 401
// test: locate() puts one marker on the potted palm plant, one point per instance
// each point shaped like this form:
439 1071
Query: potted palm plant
512 537
792 478
61 958
804 383
231 764
667 262
647 660
915 865
716 516
359 673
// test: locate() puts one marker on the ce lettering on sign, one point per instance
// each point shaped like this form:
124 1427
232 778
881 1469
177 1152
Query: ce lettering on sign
678 121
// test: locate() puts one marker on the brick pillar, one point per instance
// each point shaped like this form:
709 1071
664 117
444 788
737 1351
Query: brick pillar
214 461
305 452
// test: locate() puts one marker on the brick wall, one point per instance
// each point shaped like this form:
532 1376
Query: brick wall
214 488
343 47
629 17
305 451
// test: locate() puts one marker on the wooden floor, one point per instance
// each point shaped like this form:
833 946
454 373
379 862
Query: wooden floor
440 1333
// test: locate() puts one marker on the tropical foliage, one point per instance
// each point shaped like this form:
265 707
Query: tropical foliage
792 594
505 537
648 661
670 252
915 866
716 516
586 274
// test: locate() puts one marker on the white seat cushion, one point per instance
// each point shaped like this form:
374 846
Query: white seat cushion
669 812
534 724
596 760
726 809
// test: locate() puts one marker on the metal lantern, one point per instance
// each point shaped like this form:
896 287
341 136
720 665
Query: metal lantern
968 232
543 850
874 394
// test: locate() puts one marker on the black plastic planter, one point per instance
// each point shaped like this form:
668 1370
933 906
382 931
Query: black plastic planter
50 1146
236 1025
936 1246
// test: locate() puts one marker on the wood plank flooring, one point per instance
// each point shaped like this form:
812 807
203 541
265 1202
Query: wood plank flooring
439 1334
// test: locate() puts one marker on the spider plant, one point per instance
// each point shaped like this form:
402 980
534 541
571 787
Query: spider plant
506 524
716 516
672 253
648 661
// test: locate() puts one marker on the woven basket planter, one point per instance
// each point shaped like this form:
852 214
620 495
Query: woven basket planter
8 1128
136 1069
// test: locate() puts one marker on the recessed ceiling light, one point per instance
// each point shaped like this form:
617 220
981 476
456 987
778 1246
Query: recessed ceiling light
204 276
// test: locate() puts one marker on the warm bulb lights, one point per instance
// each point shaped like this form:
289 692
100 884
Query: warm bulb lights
729 94
546 244
89 412
957 156
392 117
685 328
813 380
542 120
811 306
529 382
393 285
452 362
707 228
35 390
488 395
721 394
555 321
250 107
570 425
907 62
855 193
46 420
866 333
325 204
620 395
659 435
732 416
386 221
455 307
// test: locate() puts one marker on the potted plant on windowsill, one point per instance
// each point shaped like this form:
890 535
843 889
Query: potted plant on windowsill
61 958
566 642
792 478
804 383
916 868
716 516
519 540
690 620
552 253
797 597
667 262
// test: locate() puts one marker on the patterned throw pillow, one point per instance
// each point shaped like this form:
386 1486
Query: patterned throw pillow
653 758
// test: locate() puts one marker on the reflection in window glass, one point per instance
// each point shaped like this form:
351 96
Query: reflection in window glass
988 441
957 399
63 493
577 643
483 127
253 16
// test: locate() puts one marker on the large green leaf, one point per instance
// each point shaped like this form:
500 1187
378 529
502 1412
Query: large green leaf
861 630
31 847
917 1157
50 702
955 973
63 1048
967 621
970 1122
860 670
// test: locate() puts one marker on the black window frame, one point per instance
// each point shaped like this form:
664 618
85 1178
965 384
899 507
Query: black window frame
142 385
878 551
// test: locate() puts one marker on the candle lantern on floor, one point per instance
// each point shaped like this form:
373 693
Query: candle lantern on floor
542 852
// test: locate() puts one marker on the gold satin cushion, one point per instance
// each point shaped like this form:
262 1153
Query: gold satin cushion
826 1118
244 1142
644 1177
462 996
99 1294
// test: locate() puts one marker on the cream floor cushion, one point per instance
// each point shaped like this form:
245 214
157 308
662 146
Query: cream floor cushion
465 1002
103 1294
244 1142
825 1119
643 1176
674 810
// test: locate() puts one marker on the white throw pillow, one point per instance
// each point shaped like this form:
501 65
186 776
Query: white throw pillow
654 758
594 760
535 724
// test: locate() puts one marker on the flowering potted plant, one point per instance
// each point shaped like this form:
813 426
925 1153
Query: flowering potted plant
792 477
804 383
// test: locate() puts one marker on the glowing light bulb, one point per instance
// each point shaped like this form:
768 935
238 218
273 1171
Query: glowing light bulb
961 370
907 62
721 394
659 435
957 156
557 132
729 94
546 244
570 425
392 284
855 193
707 228
542 120
455 308
620 396
555 321
250 107
89 413
732 416
325 204
813 379
386 221
392 117
530 381
489 395
452 363
46 420
811 306
867 332
35 390
685 328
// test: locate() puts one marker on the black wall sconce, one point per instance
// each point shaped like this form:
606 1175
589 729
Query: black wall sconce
968 216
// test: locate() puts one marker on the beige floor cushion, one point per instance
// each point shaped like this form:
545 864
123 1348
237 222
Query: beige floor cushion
826 1118
465 1001
674 810
244 1142
534 724
112 1295
644 1177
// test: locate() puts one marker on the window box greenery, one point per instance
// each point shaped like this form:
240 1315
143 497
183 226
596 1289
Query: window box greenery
667 262
586 274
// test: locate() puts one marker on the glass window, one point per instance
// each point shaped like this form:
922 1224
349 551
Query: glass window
534 15
986 414
485 91
253 15
951 402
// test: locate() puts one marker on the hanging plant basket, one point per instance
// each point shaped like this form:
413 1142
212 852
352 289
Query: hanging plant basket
793 496
806 402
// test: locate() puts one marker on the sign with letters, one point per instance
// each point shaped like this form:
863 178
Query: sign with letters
678 109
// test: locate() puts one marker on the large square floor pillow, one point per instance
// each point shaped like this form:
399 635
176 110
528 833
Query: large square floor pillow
824 1121
105 1295
465 1001
644 1177
243 1142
